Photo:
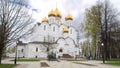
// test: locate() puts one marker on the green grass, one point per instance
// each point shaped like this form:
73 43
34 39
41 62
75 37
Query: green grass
114 62
7 65
115 59
27 60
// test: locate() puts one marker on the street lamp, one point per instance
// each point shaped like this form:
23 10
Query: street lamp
15 61
103 55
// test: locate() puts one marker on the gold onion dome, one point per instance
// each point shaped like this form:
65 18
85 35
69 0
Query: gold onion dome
69 17
65 30
44 19
57 13
51 13
60 23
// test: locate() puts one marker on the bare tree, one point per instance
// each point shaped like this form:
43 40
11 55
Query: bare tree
109 18
15 20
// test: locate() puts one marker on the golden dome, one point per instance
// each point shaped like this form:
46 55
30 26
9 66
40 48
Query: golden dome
60 23
65 30
44 19
51 13
57 13
69 17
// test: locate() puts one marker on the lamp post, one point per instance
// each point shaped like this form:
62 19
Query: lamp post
15 61
103 55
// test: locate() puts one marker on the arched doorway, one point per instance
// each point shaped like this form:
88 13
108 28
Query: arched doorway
60 50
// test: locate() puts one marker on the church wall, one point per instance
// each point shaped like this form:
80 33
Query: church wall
41 32
51 19
35 51
57 20
61 43
32 51
61 30
54 32
73 34
71 46
69 22
20 51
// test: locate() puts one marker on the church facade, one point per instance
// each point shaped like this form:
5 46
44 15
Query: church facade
51 35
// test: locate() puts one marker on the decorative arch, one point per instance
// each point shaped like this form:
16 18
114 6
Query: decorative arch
60 38
71 39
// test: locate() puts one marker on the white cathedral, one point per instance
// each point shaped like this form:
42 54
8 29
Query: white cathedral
51 35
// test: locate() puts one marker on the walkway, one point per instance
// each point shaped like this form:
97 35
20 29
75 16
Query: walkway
62 64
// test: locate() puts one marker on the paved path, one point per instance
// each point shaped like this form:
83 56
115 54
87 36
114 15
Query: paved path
62 64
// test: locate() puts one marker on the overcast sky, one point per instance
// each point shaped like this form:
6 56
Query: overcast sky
75 7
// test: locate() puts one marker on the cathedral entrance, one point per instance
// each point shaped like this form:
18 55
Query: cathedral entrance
60 50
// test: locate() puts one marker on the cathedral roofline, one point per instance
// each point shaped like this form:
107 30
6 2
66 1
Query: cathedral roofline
40 42
20 43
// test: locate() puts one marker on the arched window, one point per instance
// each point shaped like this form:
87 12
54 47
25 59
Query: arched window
70 24
53 39
22 50
36 49
44 27
53 28
71 31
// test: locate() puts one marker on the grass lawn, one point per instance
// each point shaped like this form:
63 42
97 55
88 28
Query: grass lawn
7 65
114 62
111 62
27 59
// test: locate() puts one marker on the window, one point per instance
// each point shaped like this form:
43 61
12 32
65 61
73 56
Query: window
44 39
36 49
35 56
53 28
22 50
71 31
44 27
38 23
70 24
53 39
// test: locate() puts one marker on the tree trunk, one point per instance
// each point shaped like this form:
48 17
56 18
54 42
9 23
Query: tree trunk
1 50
